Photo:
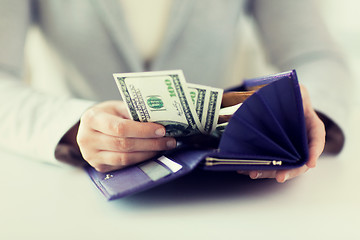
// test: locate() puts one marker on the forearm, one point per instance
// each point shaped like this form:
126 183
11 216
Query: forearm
33 123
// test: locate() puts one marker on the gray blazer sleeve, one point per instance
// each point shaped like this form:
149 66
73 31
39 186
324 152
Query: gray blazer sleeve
295 37
32 122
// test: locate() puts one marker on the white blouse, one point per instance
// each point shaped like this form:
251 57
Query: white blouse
147 22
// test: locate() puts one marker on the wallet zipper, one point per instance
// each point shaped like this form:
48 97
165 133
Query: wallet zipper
211 161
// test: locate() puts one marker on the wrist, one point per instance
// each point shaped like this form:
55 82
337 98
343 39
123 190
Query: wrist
335 138
69 137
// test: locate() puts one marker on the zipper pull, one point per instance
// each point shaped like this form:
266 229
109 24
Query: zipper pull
210 161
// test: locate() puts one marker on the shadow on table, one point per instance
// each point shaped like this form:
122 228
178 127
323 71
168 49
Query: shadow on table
204 186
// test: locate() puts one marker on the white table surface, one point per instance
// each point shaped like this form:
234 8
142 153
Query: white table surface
40 201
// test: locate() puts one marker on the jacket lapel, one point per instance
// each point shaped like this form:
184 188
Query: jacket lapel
110 13
112 16
179 13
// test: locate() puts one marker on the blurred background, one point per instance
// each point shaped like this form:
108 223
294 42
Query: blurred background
341 16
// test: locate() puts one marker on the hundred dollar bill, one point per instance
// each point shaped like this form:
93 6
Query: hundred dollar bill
207 102
161 97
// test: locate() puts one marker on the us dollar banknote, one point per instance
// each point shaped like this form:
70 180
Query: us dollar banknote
161 97
207 102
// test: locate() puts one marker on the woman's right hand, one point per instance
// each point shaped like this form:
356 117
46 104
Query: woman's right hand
108 139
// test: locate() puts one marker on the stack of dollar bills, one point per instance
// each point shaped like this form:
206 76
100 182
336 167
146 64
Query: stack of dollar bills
166 98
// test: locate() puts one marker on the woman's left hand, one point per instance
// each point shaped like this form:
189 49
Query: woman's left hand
316 140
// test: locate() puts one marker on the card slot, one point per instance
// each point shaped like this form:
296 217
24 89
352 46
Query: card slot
154 170
120 182
136 178
258 114
169 164
284 99
252 141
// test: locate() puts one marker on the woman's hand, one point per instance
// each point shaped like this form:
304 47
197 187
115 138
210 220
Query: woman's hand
316 140
108 139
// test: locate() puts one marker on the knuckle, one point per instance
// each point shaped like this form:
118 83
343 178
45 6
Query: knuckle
81 140
322 125
101 168
124 160
118 161
125 144
303 89
159 144
119 128
89 115
87 155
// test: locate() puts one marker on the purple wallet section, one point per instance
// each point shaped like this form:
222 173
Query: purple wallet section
268 127
130 180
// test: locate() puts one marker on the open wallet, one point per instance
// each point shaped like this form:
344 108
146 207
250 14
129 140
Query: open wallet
267 132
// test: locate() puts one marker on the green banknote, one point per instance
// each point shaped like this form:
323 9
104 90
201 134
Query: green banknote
207 102
161 97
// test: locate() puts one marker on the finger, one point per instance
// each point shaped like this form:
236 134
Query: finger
280 175
233 98
243 172
118 108
116 126
316 139
106 161
284 175
118 144
262 174
104 168
121 109
224 118
315 129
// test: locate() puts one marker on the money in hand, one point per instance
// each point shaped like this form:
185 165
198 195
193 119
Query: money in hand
161 97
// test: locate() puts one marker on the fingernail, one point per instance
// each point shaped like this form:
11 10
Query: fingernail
286 177
257 175
160 132
311 165
171 143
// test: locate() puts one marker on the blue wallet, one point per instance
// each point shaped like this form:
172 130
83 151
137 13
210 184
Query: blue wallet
267 132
